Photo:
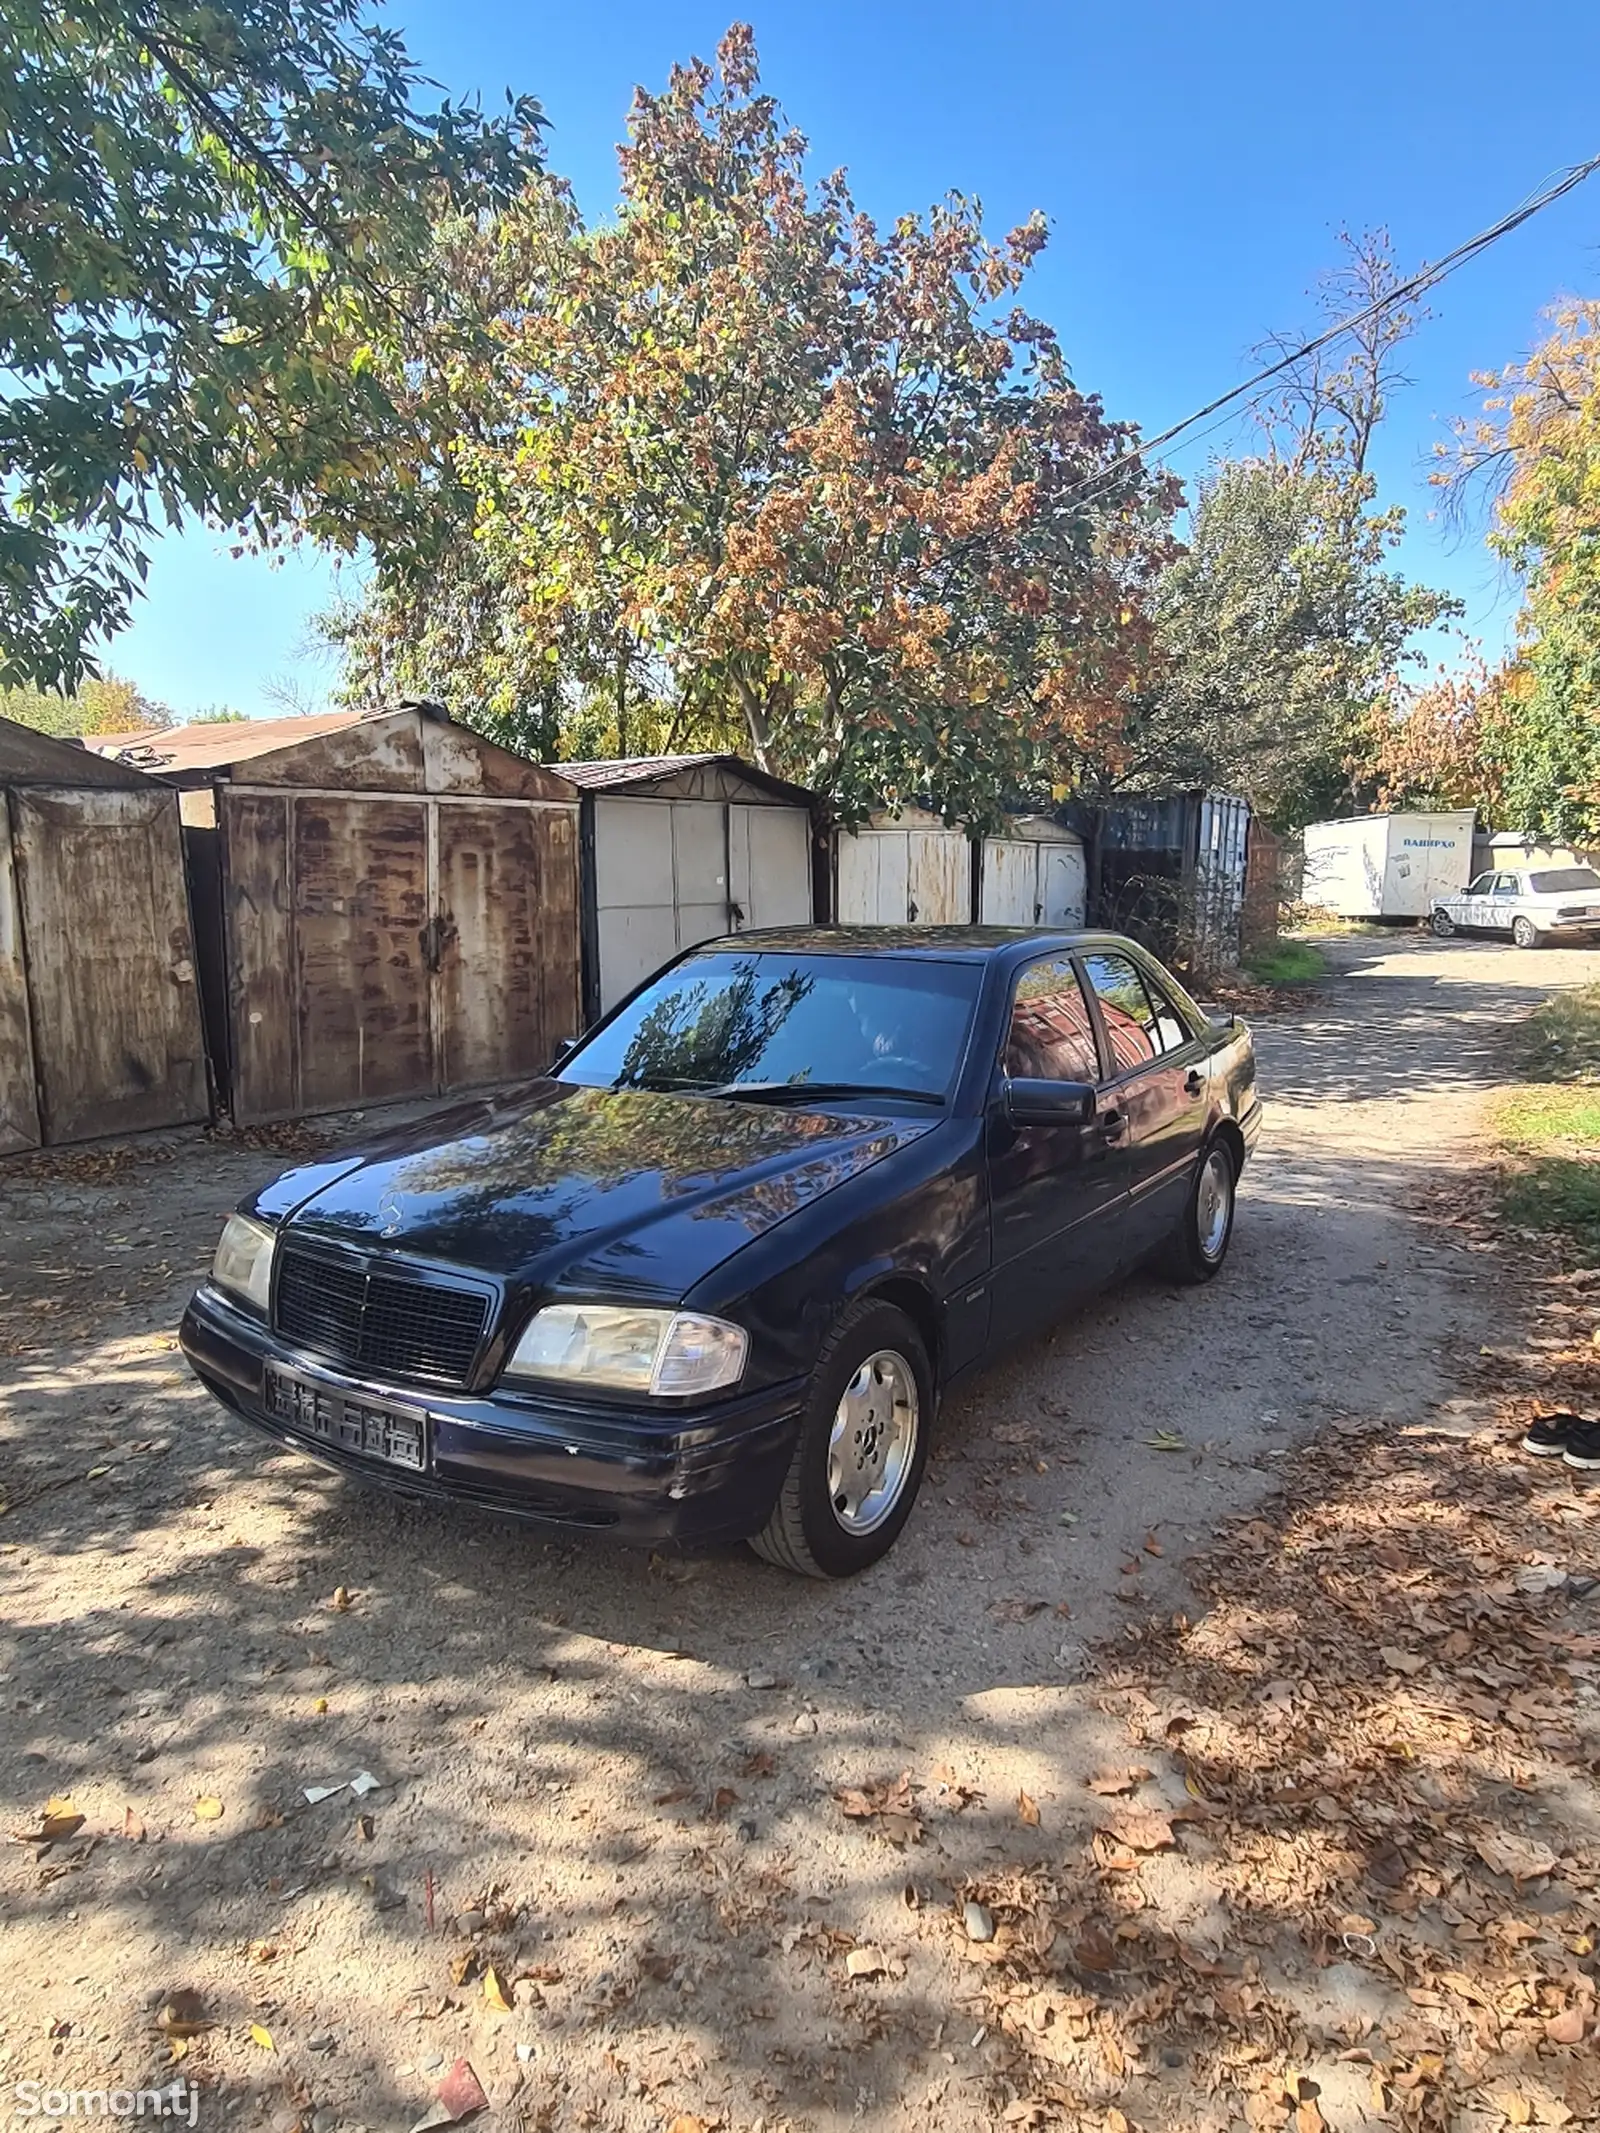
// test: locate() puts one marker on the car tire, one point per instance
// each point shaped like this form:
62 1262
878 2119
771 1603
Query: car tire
1198 1248
869 1412
1524 932
1443 924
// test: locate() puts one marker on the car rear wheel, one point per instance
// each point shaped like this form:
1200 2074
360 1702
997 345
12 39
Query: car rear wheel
1443 924
863 1445
1198 1246
1524 932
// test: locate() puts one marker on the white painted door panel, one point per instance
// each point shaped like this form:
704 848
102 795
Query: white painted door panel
769 852
939 878
1007 890
1063 885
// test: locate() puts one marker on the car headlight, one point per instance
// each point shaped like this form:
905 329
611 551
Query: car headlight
243 1265
626 1348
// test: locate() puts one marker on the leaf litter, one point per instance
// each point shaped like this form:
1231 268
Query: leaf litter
1372 1721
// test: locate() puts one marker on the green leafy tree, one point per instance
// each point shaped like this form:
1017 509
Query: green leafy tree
1539 444
217 224
1280 629
101 704
788 470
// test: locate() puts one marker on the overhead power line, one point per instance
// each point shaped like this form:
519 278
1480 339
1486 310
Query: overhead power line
1428 278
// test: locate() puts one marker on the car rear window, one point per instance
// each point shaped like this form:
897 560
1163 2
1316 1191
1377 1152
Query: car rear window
1561 881
770 1016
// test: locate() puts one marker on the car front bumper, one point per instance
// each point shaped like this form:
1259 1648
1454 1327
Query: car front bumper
700 1476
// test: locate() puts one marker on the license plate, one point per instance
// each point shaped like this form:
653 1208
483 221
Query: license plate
394 1435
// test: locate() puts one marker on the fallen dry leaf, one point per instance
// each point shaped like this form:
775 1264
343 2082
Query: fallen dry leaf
1109 1782
888 1804
261 2036
1142 1829
1399 1661
340 1603
59 1821
1027 1811
494 1991
675 1797
183 2014
460 2091
1566 2028
1523 1858
133 1826
866 1962
208 1808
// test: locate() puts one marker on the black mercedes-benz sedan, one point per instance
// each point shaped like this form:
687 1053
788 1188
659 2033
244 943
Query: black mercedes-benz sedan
709 1278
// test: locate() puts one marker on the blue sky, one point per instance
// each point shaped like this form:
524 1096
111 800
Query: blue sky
1193 164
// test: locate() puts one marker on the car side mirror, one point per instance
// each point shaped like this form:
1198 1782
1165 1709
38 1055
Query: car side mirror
1049 1103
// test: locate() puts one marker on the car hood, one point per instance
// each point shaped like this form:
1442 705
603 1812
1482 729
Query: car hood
624 1189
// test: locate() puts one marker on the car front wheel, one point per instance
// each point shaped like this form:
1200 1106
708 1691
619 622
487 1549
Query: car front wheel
1443 924
1525 933
863 1444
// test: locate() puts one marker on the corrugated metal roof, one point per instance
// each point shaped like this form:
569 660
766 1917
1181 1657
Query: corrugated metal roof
30 758
637 769
213 744
642 771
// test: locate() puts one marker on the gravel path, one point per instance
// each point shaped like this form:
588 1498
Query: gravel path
612 1778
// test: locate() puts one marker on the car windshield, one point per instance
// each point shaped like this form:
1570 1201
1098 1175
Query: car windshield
765 1023
1561 881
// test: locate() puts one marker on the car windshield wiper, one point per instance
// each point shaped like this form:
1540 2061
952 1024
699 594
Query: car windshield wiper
799 1092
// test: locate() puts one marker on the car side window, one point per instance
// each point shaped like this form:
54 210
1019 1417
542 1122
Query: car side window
1051 1037
1170 1028
1506 885
1125 1009
1482 886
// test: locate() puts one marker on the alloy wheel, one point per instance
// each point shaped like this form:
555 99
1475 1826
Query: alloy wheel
873 1442
1213 1210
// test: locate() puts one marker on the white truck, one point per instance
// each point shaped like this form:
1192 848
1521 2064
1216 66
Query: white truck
1387 866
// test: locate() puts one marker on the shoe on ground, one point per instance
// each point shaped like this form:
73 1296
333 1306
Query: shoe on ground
1549 1435
1583 1446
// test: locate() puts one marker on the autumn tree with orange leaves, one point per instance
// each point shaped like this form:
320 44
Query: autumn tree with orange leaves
770 464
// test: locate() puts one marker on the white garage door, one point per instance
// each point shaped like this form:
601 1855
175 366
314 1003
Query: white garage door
893 877
663 870
769 866
1031 881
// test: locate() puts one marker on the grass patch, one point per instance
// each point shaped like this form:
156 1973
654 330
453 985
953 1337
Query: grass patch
1551 1125
1560 1040
1287 963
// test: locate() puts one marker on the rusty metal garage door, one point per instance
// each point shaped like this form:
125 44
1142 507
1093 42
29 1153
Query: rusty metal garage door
102 919
382 947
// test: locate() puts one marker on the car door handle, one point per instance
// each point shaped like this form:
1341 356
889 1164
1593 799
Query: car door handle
1195 1082
1112 1125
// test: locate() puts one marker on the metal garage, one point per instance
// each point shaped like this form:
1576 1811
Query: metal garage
392 910
1032 874
908 868
677 849
99 1010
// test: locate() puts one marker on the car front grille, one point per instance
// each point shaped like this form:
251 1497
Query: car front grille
392 1321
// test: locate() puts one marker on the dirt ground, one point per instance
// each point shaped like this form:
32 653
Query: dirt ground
607 1861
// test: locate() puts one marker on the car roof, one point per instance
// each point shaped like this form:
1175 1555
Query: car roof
967 944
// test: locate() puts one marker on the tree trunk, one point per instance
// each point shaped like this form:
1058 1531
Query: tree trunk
758 724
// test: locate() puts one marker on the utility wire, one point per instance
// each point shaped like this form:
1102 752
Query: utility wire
1428 278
